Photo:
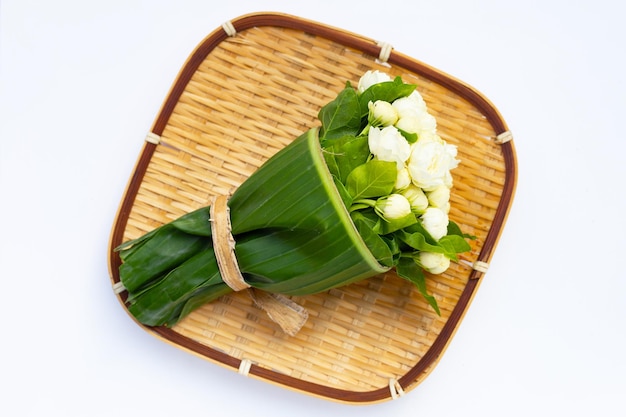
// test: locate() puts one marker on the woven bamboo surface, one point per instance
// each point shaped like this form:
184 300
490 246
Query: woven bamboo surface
237 101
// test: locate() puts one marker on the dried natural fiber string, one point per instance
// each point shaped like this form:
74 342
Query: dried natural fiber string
153 138
229 28
504 137
481 266
118 288
395 389
385 51
283 311
244 367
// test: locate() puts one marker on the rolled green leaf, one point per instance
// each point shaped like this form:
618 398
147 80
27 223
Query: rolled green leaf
293 236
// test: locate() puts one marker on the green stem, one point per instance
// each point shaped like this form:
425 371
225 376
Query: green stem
361 204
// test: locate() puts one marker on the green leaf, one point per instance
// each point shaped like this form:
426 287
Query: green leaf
419 241
369 216
410 137
341 116
343 192
394 246
200 297
448 245
195 223
359 205
409 270
154 306
164 250
346 153
388 91
454 229
375 243
330 158
372 179
419 228
448 248
389 226
454 244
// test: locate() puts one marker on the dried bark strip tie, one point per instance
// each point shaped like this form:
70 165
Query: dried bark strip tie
224 244
289 315
286 313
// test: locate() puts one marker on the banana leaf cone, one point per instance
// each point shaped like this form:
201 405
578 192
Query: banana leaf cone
293 236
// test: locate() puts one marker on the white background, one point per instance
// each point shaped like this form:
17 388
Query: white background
80 84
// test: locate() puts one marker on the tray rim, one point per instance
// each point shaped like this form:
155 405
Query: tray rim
369 46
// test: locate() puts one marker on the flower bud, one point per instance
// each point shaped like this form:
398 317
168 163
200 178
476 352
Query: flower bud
417 199
420 123
435 263
435 221
370 78
439 197
403 180
381 113
393 207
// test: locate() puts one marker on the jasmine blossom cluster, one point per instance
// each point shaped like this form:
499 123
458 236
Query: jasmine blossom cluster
424 166
394 172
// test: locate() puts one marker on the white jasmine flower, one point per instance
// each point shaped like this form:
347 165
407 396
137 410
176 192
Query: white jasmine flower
403 180
430 163
435 221
413 117
420 123
393 207
388 144
370 78
431 137
410 105
435 263
440 198
417 199
381 113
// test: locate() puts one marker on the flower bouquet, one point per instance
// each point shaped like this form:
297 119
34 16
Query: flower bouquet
366 191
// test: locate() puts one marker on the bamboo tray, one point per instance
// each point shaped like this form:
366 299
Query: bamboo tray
249 88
